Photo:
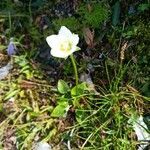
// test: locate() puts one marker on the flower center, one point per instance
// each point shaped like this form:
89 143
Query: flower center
65 46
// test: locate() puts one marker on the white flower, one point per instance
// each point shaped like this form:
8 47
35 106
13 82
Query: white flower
63 44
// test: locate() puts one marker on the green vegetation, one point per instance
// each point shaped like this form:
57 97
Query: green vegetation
71 22
39 99
93 14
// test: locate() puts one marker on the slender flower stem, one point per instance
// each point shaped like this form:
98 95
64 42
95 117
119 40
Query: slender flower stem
75 68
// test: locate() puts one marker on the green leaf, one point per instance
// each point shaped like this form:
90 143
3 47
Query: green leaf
145 89
25 68
80 115
116 13
79 89
63 87
11 94
143 7
50 135
60 110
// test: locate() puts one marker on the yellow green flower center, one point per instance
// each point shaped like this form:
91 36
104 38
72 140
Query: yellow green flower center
65 46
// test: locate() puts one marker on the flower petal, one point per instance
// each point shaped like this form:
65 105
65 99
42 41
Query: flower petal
75 39
65 32
52 41
59 53
73 49
11 50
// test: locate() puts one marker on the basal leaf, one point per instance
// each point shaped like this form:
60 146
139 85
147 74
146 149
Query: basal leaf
60 110
63 87
116 13
79 89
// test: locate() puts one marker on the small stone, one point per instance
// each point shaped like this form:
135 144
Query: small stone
42 146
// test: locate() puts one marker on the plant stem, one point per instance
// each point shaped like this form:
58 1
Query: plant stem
10 25
75 68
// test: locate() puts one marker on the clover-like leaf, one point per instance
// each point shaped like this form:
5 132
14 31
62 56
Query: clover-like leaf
79 89
63 87
60 110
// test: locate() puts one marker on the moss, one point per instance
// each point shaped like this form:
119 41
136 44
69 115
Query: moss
71 22
94 14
